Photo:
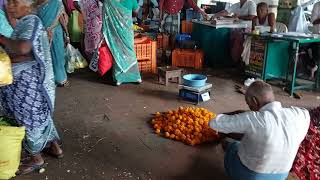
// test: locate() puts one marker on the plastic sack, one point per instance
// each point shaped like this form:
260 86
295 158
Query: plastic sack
298 22
10 150
74 26
81 62
74 59
105 59
70 60
6 77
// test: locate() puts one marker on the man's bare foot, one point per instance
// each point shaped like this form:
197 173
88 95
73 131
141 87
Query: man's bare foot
35 163
312 71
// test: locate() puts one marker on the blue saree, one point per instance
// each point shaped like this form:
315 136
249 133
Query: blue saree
30 98
118 33
49 13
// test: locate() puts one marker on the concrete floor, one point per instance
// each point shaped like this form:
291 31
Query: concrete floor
106 134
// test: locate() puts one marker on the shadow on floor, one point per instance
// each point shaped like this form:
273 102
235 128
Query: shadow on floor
161 94
202 169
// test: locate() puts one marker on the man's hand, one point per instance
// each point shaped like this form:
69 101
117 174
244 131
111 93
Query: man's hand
235 16
205 15
235 112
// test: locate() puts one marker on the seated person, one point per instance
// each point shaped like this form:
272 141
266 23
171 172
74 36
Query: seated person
269 136
244 10
315 19
264 18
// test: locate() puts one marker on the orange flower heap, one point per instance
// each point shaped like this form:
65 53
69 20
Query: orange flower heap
189 125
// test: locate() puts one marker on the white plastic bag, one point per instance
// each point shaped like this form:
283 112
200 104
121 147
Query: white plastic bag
70 60
74 59
298 22
79 59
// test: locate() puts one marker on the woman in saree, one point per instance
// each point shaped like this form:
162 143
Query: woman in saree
30 98
92 12
5 26
119 36
54 19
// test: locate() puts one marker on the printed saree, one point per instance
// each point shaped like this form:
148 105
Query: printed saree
50 13
30 99
118 33
93 25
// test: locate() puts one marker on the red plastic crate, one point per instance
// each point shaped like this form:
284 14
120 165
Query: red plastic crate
186 27
187 58
163 41
147 56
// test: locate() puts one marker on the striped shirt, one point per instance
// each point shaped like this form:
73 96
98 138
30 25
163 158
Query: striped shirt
272 136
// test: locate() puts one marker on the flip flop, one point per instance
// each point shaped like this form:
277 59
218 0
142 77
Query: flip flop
50 153
64 84
30 168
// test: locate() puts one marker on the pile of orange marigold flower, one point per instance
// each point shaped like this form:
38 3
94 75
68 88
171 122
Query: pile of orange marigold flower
189 125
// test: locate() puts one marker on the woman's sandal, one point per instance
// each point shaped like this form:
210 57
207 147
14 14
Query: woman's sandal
64 84
30 168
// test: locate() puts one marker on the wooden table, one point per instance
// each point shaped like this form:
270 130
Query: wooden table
166 73
287 59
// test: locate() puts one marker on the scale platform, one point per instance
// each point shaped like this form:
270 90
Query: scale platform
196 89
195 94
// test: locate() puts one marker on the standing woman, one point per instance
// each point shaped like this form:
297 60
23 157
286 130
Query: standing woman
118 33
5 26
92 12
30 98
54 19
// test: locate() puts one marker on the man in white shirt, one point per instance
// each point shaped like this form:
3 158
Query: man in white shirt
270 136
245 10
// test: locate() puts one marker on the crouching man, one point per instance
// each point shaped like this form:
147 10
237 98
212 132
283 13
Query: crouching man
268 136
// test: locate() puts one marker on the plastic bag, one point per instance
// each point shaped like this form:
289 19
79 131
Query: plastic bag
298 22
81 62
70 60
74 27
105 59
6 77
10 150
74 59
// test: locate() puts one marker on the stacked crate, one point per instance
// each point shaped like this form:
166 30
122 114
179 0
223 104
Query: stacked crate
147 56
186 27
163 41
187 58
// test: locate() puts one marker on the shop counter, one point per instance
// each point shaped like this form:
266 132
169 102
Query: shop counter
276 56
214 40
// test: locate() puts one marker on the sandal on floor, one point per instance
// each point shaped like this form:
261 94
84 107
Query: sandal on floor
64 84
50 153
30 168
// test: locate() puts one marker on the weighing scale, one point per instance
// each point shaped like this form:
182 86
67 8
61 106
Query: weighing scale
195 94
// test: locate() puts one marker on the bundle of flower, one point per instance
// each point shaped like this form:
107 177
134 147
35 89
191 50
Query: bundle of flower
189 125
